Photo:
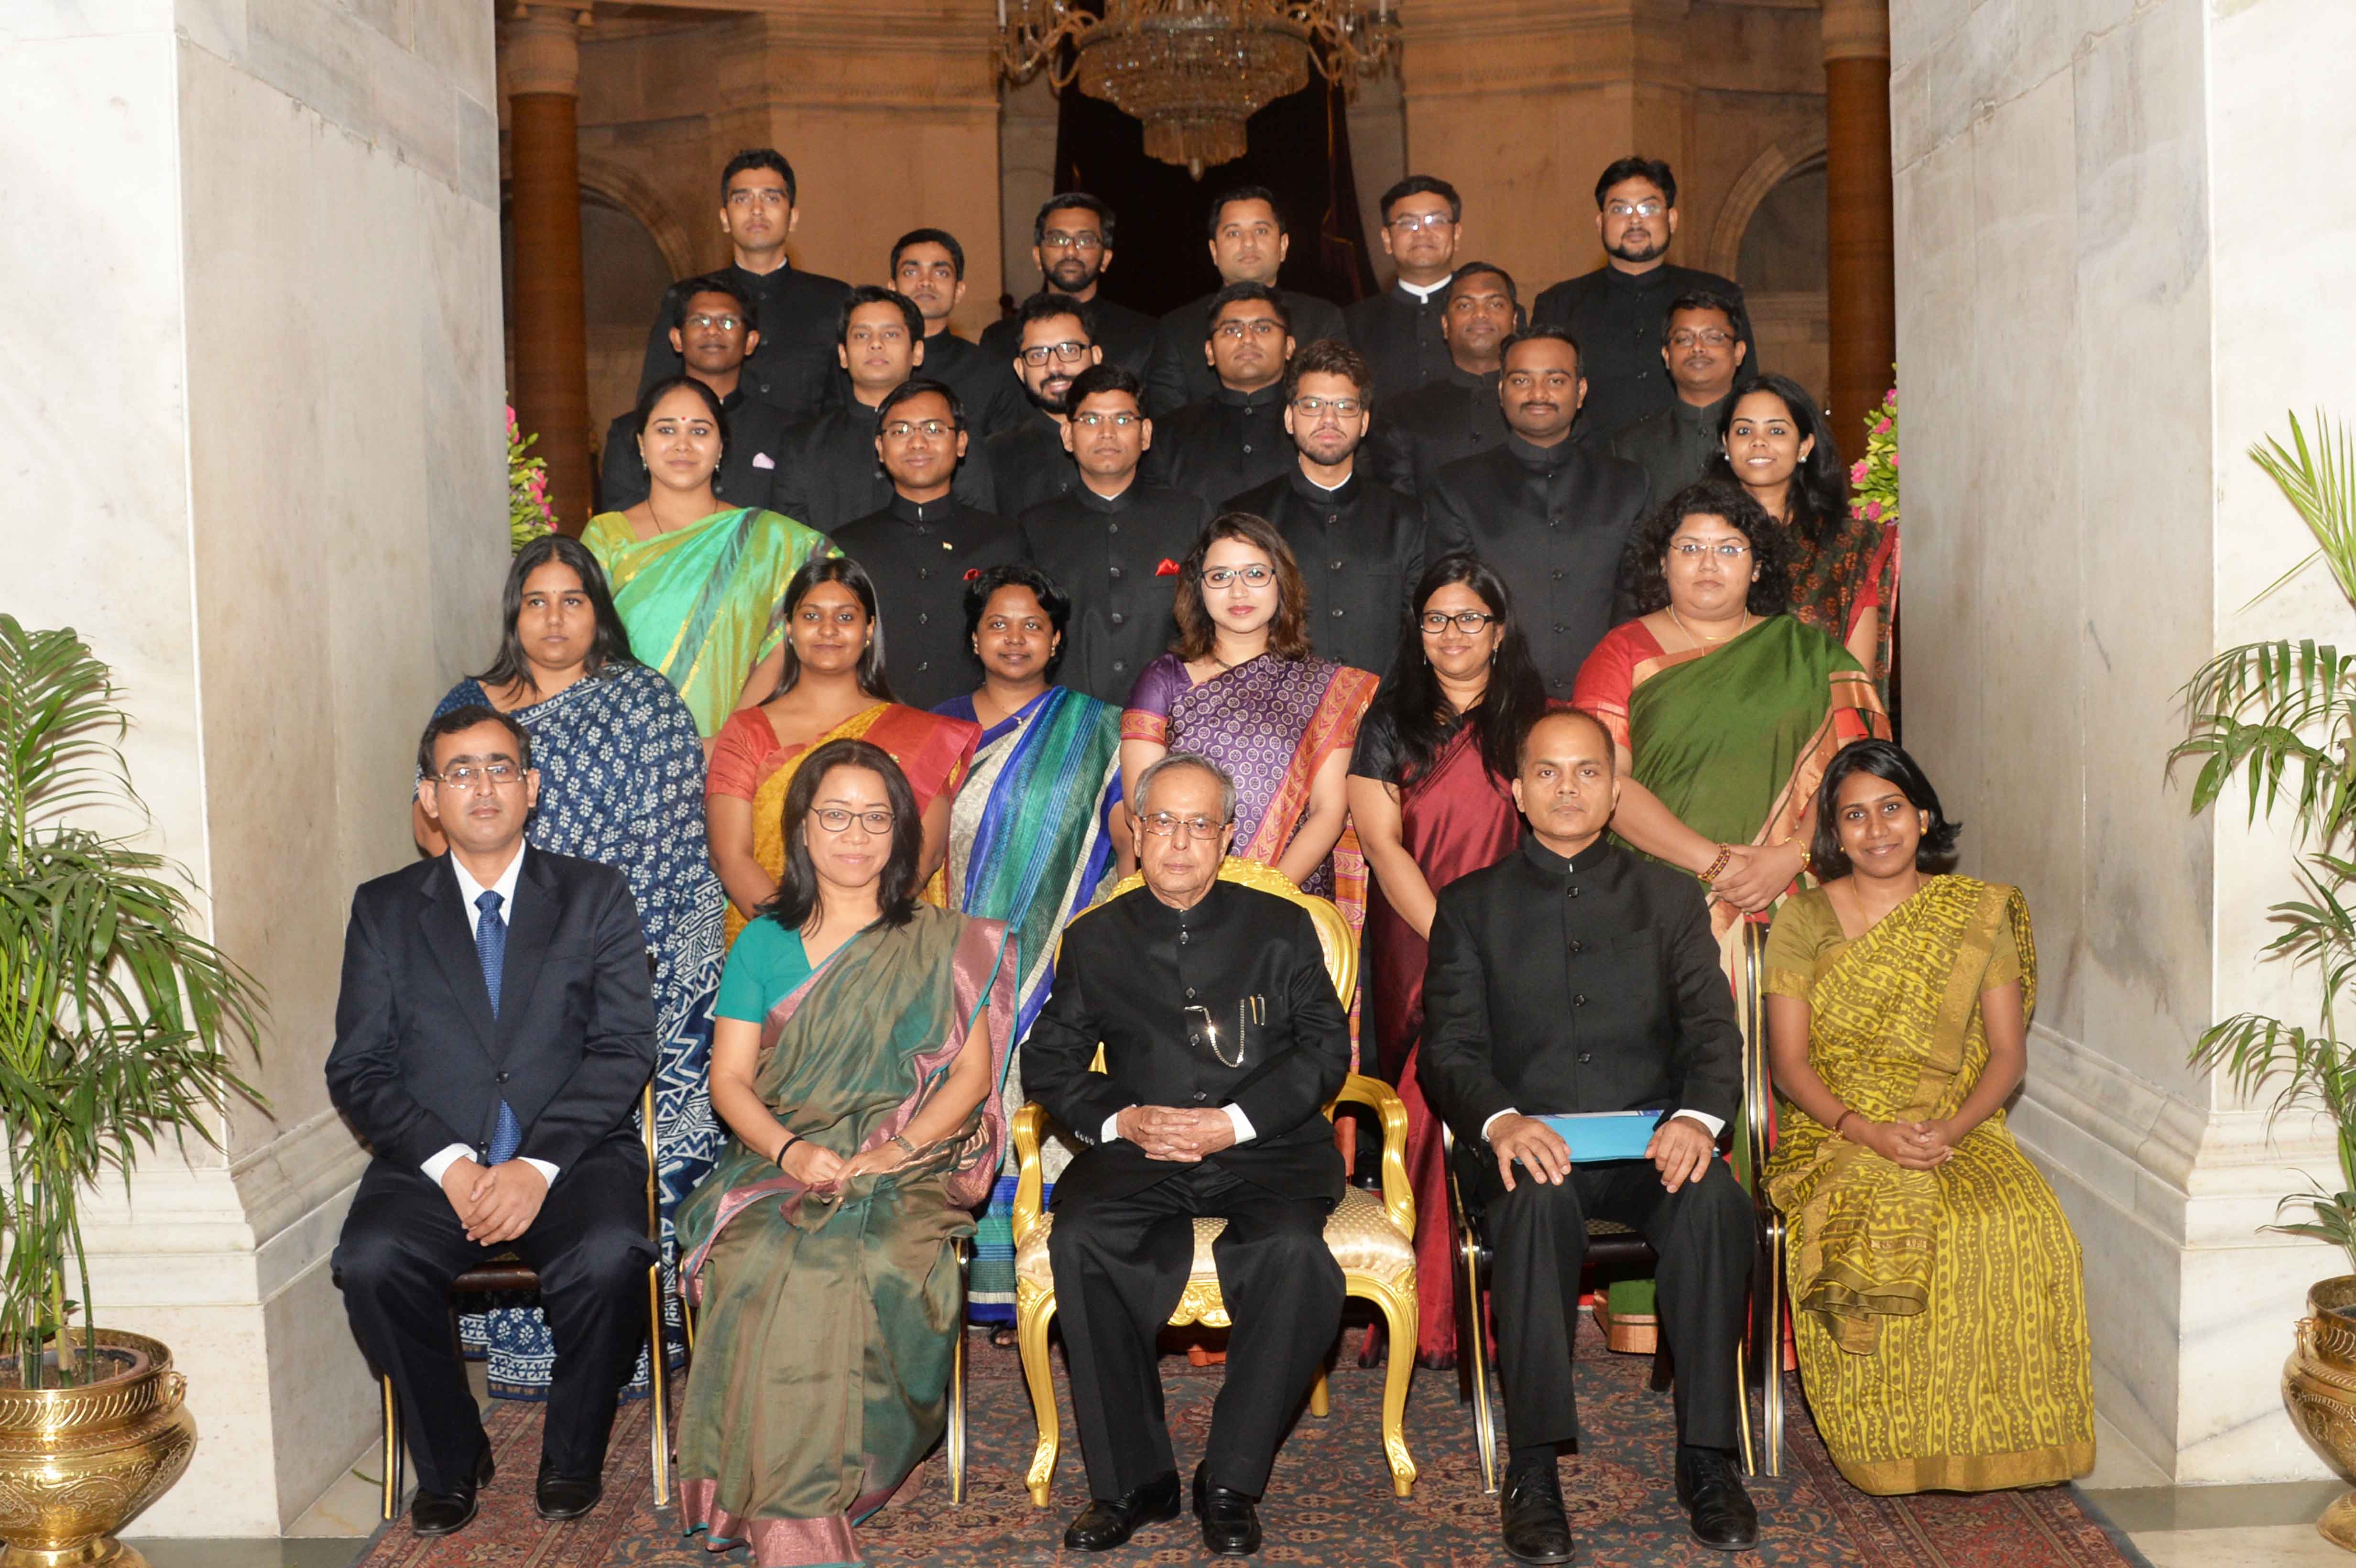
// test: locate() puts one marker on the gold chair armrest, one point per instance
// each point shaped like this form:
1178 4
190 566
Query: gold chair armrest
1398 1197
1032 1126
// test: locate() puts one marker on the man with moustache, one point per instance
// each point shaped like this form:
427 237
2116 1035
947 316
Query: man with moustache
1702 345
714 331
1359 542
1112 541
1071 241
791 367
1029 459
830 475
1550 516
1222 1041
1456 414
1575 975
1248 245
1398 330
1233 439
928 267
1615 311
921 547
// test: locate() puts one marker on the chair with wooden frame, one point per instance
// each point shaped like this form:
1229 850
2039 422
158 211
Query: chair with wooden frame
1372 1238
1612 1246
507 1273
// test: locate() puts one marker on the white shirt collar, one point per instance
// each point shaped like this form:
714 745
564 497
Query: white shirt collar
470 889
1424 292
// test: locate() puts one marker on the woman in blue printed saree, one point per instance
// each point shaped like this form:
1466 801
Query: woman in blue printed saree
859 1034
1030 837
621 781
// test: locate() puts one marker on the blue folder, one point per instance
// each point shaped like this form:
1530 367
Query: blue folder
1605 1134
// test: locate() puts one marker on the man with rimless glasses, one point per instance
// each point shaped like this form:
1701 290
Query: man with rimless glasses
1222 1041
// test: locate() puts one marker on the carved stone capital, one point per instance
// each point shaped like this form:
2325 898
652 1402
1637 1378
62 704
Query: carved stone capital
539 47
1856 29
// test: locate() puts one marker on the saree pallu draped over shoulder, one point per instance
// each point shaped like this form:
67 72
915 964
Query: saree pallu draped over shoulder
1940 1313
828 1313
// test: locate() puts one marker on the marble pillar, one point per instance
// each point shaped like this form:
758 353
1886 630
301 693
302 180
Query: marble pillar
1863 309
539 66
2115 239
252 424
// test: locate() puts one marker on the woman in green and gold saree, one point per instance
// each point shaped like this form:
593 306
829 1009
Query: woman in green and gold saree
700 583
1941 1312
859 1033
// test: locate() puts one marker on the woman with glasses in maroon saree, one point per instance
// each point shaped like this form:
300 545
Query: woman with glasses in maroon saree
859 1033
1242 687
1430 799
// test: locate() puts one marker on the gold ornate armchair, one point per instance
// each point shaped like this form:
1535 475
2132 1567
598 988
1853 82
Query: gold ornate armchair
1371 1237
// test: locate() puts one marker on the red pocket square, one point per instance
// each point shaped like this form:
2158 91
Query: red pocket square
971 572
1168 568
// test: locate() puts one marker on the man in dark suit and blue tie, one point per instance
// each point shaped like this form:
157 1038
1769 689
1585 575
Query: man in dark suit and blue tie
493 1033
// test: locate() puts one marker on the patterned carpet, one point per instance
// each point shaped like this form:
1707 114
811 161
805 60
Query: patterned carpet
1330 1504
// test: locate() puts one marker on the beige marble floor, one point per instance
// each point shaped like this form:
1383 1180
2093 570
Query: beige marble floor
2209 1527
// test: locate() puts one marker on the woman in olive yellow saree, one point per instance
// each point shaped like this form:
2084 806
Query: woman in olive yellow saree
1940 1307
860 1035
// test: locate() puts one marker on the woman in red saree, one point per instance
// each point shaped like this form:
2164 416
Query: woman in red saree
1429 796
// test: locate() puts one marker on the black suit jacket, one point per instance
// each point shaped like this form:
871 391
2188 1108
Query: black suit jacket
1455 415
1182 376
920 557
1028 462
984 382
1399 335
1618 319
419 1063
791 367
1129 970
1222 446
1110 557
1360 548
830 475
1590 984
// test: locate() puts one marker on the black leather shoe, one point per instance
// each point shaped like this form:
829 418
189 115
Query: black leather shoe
561 1497
440 1513
1529 1505
1230 1519
1107 1522
1711 1490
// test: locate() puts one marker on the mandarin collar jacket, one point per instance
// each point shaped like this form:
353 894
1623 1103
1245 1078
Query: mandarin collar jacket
1028 462
793 365
830 475
1399 335
1619 319
1360 547
1119 559
1454 415
1180 375
1222 445
921 554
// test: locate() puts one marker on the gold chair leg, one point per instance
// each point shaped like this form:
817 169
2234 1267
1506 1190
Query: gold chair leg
1321 1396
391 1450
1031 1341
1398 1366
658 1392
1770 1363
1474 1331
1742 1408
957 1384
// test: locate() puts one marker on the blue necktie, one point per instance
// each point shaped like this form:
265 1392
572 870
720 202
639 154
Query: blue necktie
491 949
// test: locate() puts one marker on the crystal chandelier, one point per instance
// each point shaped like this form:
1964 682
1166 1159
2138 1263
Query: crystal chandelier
1192 70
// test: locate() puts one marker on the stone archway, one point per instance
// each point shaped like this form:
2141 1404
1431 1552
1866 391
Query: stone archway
1770 237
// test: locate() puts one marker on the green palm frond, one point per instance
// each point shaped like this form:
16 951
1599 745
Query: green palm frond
2320 485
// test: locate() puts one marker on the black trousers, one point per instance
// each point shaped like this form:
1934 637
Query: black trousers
1706 1236
402 1246
1121 1266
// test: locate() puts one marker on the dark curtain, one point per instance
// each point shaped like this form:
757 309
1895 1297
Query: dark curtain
1299 146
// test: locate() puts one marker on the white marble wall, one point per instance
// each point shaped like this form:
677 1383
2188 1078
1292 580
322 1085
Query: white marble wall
2118 222
250 406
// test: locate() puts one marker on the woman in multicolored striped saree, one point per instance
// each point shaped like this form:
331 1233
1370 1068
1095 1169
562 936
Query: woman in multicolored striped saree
1031 833
1940 1306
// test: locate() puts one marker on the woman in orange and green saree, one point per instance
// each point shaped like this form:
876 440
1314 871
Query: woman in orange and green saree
832 689
1941 1311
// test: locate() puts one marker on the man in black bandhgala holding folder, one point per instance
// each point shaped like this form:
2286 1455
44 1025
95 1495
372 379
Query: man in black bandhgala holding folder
1575 977
493 1033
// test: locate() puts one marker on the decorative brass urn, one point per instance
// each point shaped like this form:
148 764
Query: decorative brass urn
2319 1385
77 1463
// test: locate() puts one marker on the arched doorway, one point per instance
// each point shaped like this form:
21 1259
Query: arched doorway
1781 265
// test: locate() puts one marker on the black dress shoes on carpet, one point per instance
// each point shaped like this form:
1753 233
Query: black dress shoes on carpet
561 1497
1107 1522
1230 1519
1710 1488
1530 1507
440 1513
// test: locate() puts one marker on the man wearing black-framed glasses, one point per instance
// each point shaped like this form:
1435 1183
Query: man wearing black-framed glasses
1054 342
1072 242
1223 1039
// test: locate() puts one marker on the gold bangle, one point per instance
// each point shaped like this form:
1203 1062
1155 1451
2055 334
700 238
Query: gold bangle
1725 854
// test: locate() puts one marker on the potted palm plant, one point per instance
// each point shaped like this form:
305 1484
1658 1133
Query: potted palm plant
117 1029
2275 722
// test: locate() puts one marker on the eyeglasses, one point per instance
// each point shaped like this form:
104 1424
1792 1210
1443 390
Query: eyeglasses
1086 239
1694 550
1162 825
1253 576
1340 408
466 775
1712 335
725 323
1637 210
1069 352
1123 420
900 430
1259 327
1468 621
1416 222
835 819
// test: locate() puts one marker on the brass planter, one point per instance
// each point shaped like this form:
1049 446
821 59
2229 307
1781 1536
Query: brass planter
77 1463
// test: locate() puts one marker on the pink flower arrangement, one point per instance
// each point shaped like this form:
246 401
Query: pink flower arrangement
528 514
1874 478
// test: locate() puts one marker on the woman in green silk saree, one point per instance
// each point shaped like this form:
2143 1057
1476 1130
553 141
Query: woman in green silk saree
1941 1313
859 1034
699 584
